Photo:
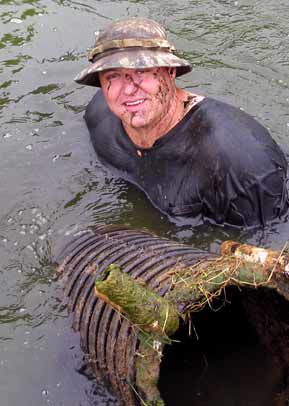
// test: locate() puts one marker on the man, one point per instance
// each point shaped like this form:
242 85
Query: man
193 156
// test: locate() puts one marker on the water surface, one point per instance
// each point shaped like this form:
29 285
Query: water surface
52 185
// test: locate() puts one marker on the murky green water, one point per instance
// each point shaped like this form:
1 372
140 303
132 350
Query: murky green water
51 184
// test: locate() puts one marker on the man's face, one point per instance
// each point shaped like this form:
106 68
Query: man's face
139 98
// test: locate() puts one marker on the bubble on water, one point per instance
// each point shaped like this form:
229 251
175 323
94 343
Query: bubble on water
55 158
20 212
27 333
29 147
63 132
19 271
22 232
33 228
40 220
10 219
236 3
15 243
44 72
4 239
42 237
16 20
22 310
7 135
44 392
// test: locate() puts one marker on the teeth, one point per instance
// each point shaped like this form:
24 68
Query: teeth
134 103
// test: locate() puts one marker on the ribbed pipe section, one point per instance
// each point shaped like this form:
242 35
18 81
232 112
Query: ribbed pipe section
109 340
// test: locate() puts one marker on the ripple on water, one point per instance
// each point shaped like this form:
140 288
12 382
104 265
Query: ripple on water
52 187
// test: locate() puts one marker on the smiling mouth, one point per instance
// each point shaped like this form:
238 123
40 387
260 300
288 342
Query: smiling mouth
134 103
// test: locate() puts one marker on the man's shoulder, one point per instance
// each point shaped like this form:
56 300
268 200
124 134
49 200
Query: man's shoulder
101 122
107 135
224 123
96 109
221 113
231 136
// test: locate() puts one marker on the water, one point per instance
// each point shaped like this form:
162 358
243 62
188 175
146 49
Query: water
51 184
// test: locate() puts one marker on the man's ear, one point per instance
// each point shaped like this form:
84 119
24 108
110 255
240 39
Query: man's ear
172 72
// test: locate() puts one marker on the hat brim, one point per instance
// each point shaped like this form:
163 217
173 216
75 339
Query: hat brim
132 59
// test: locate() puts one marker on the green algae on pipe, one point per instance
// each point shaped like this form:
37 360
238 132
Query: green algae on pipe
144 308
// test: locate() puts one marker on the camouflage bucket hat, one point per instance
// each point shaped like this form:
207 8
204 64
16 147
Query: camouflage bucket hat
135 43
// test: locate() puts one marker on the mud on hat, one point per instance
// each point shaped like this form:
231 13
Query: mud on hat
135 43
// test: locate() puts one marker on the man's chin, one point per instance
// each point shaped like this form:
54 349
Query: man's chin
138 125
136 122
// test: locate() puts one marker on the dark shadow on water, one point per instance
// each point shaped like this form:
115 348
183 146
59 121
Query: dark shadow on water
225 365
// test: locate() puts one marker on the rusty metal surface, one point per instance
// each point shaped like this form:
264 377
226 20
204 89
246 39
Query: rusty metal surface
106 337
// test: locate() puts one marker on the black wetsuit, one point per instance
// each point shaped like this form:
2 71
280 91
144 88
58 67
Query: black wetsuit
218 164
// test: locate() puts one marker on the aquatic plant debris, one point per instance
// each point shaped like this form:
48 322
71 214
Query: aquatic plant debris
145 309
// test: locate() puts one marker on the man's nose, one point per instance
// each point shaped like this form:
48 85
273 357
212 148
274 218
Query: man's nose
130 86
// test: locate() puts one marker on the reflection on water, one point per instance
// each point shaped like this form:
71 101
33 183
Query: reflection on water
52 186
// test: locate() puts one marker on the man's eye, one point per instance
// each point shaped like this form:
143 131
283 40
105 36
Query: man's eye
112 76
